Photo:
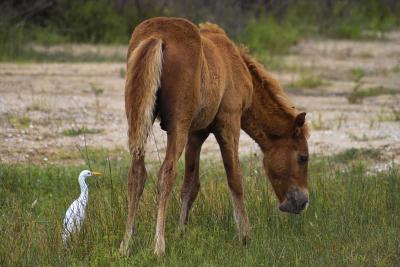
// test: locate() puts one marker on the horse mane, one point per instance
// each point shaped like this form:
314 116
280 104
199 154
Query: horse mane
211 27
270 85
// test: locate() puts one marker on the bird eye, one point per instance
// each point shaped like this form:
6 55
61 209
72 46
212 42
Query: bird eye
303 159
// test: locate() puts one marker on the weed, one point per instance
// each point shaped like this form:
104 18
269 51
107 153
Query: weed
357 74
366 55
396 113
80 130
307 81
317 122
40 104
358 138
268 35
396 68
342 118
97 92
357 95
392 115
122 73
17 121
354 154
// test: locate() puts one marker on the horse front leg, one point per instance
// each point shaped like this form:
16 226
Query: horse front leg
166 178
191 183
227 135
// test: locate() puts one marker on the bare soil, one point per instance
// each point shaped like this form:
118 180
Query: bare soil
38 102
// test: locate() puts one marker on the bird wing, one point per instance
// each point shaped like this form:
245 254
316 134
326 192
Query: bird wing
74 217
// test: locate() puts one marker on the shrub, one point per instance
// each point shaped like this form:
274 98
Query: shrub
269 34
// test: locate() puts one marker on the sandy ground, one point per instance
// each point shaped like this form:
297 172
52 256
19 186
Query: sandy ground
40 101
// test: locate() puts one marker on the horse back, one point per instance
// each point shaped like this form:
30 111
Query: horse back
202 72
178 95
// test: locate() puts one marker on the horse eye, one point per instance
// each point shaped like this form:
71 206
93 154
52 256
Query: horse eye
303 158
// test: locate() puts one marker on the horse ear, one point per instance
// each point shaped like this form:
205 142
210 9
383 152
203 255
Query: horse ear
300 119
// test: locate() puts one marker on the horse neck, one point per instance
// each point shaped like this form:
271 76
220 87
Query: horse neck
266 116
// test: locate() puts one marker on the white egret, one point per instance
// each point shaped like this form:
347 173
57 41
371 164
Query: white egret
76 212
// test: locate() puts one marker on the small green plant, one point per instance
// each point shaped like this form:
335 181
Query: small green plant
80 130
39 104
357 74
396 68
122 73
19 122
97 91
366 55
307 81
318 123
392 115
341 119
38 107
371 122
355 154
362 138
267 35
396 113
357 95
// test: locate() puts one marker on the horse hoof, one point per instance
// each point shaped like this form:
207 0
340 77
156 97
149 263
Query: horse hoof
159 249
123 249
159 253
245 240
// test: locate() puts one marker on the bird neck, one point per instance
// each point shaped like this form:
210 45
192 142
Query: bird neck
84 190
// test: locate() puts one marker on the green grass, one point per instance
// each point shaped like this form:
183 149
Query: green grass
392 115
29 55
18 121
79 131
353 218
357 74
357 95
307 81
353 154
267 35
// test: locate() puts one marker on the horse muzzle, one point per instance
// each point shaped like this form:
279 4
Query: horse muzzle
296 201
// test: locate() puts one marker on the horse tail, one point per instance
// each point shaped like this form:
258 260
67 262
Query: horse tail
143 80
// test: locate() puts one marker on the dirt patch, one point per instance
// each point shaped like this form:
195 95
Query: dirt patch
39 103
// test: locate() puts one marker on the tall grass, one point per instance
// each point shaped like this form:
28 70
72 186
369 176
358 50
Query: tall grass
353 218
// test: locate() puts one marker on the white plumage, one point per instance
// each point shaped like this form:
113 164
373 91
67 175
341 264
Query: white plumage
76 212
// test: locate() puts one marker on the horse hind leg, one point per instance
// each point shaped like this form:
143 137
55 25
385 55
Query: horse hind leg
136 180
166 177
191 183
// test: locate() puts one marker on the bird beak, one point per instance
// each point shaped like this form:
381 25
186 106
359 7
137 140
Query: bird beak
97 174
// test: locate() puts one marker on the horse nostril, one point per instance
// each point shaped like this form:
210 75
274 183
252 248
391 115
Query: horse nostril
304 205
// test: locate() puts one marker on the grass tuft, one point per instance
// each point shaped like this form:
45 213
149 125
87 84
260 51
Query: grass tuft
357 74
18 122
80 130
122 73
307 81
354 154
357 95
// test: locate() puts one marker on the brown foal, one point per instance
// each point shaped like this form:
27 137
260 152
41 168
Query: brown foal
197 82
